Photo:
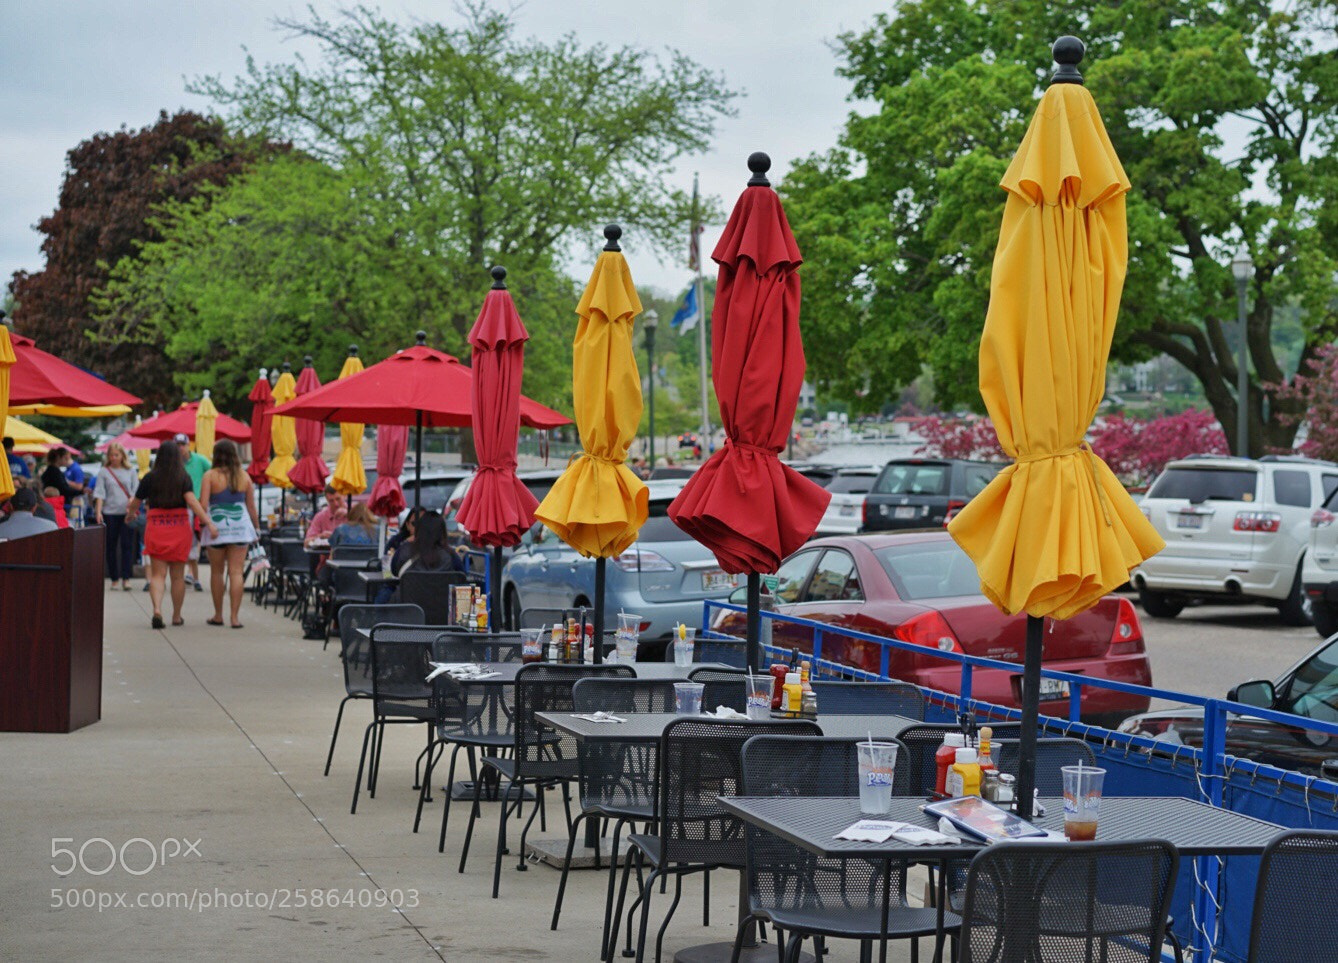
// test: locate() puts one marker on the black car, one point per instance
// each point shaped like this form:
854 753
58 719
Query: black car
924 492
1309 689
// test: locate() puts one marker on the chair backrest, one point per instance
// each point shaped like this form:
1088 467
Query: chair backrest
1098 900
724 650
347 585
624 695
492 647
431 591
364 553
1295 917
620 775
788 765
860 698
701 759
292 558
922 742
356 650
540 618
400 657
545 687
724 687
1052 755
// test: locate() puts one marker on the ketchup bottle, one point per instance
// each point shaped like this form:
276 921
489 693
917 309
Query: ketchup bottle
944 759
778 671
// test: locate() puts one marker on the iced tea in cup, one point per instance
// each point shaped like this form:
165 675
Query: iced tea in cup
1082 800
759 697
877 764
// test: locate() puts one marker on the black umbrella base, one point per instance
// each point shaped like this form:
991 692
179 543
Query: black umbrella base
724 952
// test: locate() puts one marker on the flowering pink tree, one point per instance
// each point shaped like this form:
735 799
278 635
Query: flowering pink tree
1137 449
959 438
1317 392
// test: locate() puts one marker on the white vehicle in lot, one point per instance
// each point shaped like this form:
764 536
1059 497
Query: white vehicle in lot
1319 570
845 512
1236 530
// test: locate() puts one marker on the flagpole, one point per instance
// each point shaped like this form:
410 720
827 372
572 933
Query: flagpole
701 324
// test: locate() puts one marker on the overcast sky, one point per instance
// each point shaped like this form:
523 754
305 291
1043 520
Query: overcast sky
71 68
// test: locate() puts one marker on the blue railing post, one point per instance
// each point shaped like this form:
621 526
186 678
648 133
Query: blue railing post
1210 784
883 656
1075 702
817 648
964 695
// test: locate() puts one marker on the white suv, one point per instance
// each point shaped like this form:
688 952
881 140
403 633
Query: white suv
1236 530
1319 570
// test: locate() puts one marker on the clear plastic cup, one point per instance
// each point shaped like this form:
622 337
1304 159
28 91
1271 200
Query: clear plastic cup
628 636
1082 800
532 645
688 698
759 696
877 763
685 647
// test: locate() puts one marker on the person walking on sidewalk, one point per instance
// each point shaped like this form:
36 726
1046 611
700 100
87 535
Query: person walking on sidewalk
169 533
229 499
112 492
196 465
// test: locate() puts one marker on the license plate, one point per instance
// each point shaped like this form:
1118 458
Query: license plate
905 511
716 579
1054 689
1191 521
847 510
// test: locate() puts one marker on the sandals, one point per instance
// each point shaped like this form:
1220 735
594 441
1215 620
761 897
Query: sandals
178 621
218 622
156 622
238 625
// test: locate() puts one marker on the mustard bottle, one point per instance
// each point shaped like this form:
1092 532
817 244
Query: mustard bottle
792 696
964 776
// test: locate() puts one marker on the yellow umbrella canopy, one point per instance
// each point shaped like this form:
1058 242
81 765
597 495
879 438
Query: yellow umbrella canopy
206 416
7 360
61 411
598 504
282 432
29 438
1055 531
349 478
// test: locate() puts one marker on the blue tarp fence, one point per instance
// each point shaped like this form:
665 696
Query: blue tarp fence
1214 897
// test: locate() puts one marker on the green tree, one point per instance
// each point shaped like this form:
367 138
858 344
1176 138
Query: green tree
1223 113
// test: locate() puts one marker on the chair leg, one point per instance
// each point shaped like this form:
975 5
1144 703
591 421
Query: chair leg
446 803
362 758
1175 945
423 781
706 898
524 833
469 831
646 890
339 717
566 868
501 849
439 748
614 860
375 770
792 949
659 937
618 912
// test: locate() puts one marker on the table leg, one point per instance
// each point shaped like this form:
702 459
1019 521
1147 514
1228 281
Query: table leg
887 908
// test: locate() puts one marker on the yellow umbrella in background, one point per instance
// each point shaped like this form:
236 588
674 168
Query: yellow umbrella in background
142 458
282 432
7 360
60 411
349 478
205 417
29 439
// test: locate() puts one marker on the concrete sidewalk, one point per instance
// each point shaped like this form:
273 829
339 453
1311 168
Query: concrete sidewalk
209 753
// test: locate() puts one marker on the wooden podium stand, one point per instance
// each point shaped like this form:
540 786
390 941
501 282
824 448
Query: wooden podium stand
51 595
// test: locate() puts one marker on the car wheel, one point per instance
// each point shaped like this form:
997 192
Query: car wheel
1325 618
512 609
1296 608
1159 605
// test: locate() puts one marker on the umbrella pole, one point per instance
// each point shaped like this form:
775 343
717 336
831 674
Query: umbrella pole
495 577
1031 697
753 653
600 563
418 462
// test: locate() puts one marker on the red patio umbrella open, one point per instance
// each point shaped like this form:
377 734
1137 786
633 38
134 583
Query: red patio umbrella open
262 403
310 472
182 422
37 377
743 504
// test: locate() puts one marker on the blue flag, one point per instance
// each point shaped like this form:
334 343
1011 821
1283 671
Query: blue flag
688 313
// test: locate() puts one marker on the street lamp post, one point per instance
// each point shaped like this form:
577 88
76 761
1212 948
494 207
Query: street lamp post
1242 268
651 319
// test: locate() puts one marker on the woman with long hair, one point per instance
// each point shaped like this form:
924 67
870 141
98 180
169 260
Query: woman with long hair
168 533
112 492
359 528
229 497
430 551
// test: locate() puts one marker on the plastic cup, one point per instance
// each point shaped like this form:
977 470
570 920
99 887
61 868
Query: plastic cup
532 645
1082 800
628 636
684 648
688 698
877 763
759 697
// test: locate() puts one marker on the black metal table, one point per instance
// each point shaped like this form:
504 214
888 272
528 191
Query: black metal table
649 726
373 580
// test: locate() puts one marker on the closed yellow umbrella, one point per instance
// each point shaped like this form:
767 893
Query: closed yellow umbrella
349 478
61 411
6 362
205 418
598 504
282 432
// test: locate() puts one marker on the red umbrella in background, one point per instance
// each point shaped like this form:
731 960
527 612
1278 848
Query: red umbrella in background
743 504
182 422
40 378
262 403
387 497
497 509
310 472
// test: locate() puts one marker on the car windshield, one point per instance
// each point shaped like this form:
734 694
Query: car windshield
913 479
659 527
1206 484
435 492
1314 687
929 570
850 484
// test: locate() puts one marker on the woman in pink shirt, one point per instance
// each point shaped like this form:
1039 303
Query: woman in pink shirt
328 518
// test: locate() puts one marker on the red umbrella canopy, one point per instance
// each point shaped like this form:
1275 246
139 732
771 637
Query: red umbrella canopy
38 378
310 472
395 391
743 504
387 497
182 422
262 403
497 509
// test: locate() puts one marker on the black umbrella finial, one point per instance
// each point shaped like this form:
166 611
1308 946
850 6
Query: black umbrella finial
613 232
4 319
286 367
1068 53
353 351
421 338
306 361
759 162
498 277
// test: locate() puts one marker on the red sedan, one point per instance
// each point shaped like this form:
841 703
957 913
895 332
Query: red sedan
920 587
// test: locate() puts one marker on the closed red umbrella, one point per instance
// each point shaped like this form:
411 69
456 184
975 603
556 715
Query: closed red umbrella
743 504
310 472
387 497
262 403
38 378
182 422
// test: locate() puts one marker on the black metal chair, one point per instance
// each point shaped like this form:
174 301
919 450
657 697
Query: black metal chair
345 588
542 758
700 760
1042 903
618 779
291 572
858 698
803 895
488 647
1295 911
431 591
1052 755
724 687
355 652
725 650
353 553
541 618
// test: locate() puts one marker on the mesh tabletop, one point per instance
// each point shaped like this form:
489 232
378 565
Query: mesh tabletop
648 726
1194 828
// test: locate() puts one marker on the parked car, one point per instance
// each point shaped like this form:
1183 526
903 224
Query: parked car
845 512
1235 529
924 492
538 481
920 587
1308 689
663 576
1319 567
